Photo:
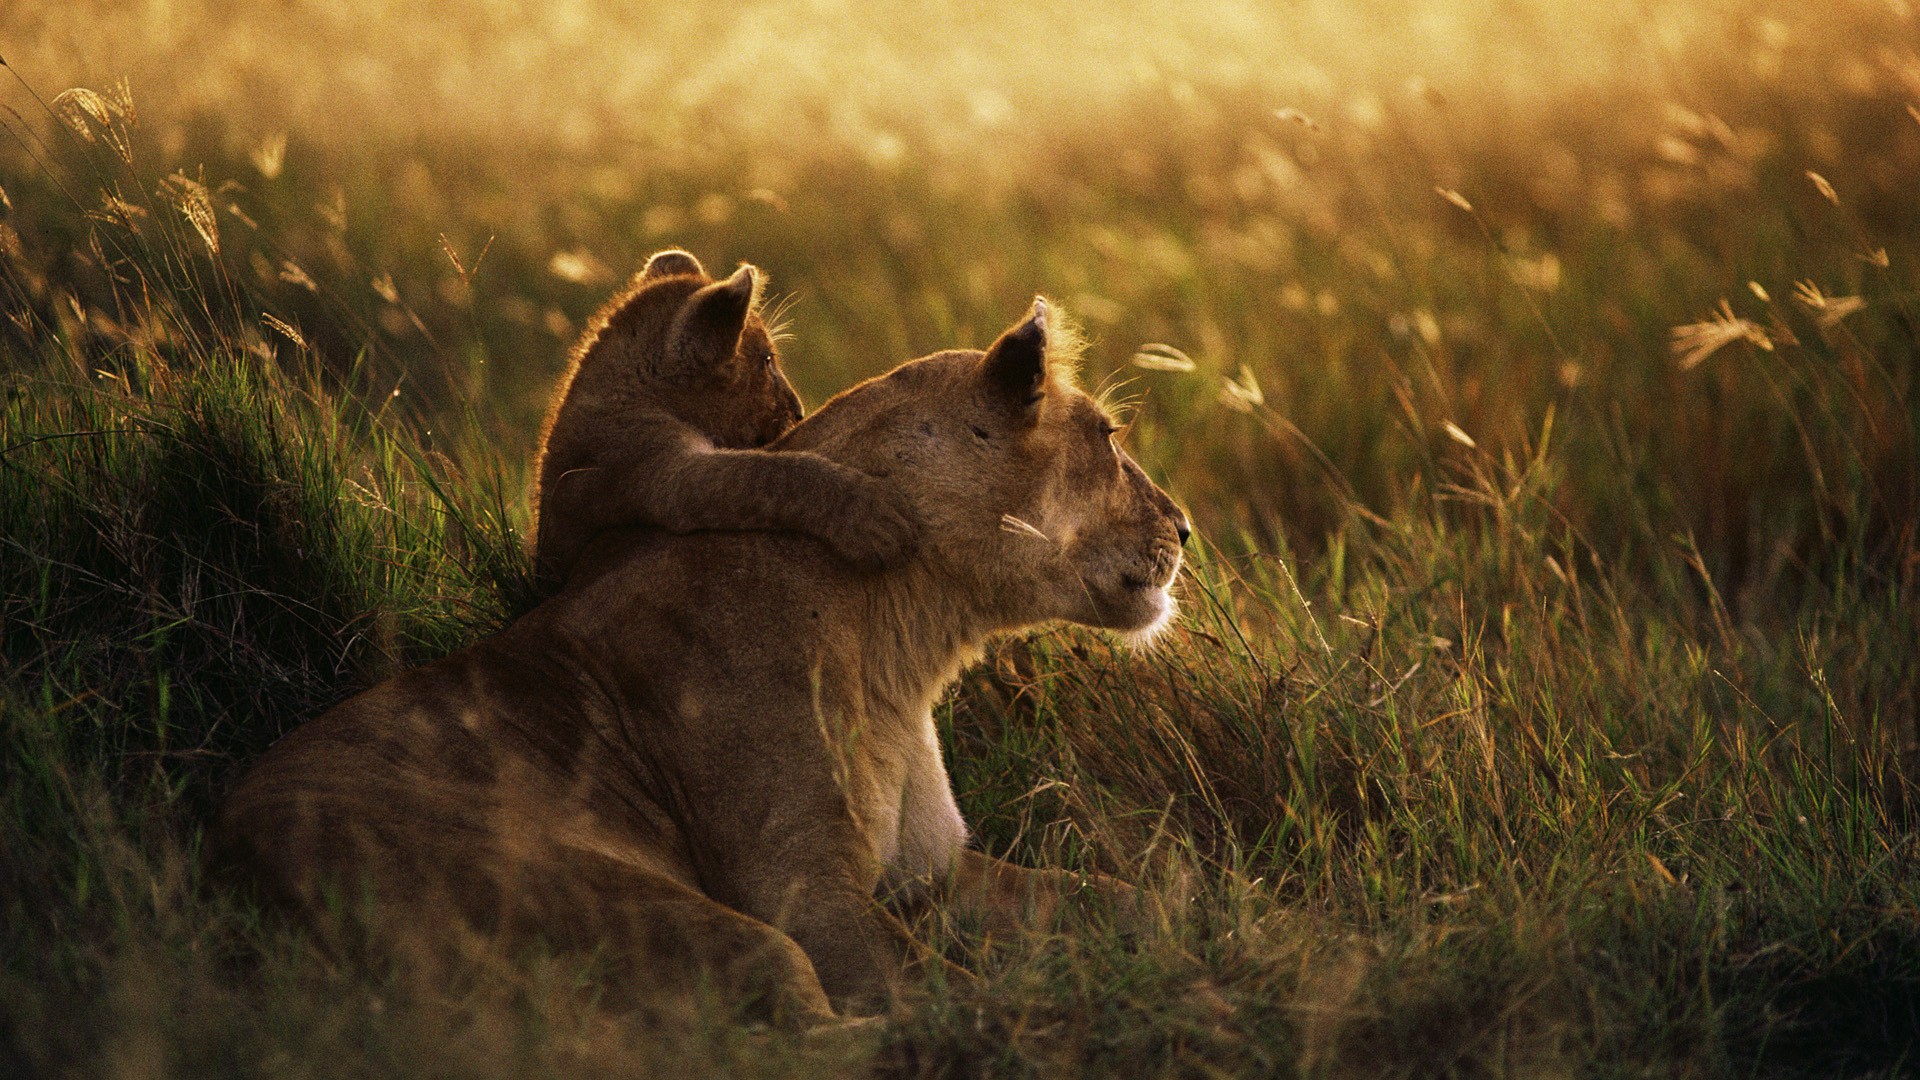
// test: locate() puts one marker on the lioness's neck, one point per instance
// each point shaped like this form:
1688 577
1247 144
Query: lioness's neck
916 629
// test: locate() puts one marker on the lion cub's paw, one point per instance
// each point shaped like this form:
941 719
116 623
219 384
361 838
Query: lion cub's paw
874 527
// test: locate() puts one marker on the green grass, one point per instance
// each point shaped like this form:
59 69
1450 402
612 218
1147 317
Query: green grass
1540 707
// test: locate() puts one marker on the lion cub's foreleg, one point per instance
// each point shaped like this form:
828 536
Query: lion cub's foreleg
866 521
689 485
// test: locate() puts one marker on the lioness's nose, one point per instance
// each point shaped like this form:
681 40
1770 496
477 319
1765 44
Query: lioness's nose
1183 527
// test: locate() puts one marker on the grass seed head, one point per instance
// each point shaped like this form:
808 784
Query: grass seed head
1242 394
1825 189
191 197
1155 356
270 157
1828 311
1694 342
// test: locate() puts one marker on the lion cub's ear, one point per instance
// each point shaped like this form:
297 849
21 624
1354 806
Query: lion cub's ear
1016 364
706 331
672 263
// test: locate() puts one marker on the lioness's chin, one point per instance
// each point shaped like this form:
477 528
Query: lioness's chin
1165 607
1136 612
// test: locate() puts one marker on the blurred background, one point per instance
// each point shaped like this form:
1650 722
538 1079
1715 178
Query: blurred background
1380 242
1540 375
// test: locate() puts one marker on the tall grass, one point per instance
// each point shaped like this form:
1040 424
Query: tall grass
1545 697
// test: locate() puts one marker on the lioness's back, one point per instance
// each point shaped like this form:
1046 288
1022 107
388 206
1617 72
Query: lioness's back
508 751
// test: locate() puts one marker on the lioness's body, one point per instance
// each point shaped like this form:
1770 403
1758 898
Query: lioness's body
703 739
508 765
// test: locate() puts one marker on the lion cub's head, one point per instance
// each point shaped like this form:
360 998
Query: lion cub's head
697 348
1031 509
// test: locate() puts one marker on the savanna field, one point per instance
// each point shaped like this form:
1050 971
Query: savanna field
1543 380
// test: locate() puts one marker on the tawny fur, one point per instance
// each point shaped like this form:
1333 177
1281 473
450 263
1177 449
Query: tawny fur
672 389
706 757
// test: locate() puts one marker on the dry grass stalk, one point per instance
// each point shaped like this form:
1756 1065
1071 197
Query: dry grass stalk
270 157
1823 187
1828 311
1242 394
1155 356
191 197
285 329
1694 342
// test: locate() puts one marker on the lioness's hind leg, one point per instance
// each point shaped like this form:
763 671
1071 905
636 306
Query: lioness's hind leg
663 936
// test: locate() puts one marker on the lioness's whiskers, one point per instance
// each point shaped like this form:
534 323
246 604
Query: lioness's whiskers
1013 524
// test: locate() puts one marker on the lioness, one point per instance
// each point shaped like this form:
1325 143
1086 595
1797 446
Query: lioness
672 386
704 758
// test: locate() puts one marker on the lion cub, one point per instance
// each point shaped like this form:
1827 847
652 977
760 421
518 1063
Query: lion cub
673 388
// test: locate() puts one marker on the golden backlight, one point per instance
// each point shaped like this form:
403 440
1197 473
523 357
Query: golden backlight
1541 379
1354 221
896 78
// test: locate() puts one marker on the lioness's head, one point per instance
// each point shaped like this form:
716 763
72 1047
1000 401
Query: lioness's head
700 348
1029 505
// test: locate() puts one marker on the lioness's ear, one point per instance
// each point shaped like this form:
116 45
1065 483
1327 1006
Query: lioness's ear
1016 365
706 331
672 263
